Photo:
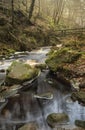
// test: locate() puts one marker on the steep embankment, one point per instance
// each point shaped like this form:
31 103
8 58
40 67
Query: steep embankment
24 35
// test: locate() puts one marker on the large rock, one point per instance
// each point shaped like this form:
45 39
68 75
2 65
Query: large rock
68 63
80 123
29 126
56 118
19 72
58 58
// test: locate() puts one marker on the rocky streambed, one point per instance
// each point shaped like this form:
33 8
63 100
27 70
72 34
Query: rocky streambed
48 106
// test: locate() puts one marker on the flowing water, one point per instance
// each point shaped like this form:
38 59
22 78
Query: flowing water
24 108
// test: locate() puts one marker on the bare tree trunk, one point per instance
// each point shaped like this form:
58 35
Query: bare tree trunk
12 4
58 10
31 9
19 4
26 6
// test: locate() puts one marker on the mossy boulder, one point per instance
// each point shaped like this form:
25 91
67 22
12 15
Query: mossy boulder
68 63
58 58
56 118
80 123
79 96
19 72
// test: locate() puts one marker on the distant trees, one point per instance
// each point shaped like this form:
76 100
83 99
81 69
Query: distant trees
75 12
58 10
39 7
71 12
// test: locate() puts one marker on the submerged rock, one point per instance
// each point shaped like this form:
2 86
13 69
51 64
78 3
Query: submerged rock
19 72
57 118
80 123
29 126
79 96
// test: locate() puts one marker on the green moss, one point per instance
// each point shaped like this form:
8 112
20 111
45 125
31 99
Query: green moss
19 72
57 58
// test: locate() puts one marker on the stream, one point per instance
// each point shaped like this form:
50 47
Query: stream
24 108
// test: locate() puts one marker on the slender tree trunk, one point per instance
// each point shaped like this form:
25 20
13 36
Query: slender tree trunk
12 4
31 9
19 4
39 7
26 6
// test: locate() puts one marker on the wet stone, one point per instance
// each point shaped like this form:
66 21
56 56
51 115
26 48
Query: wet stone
57 118
44 96
29 126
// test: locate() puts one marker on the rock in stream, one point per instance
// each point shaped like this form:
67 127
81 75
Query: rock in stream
19 72
56 118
